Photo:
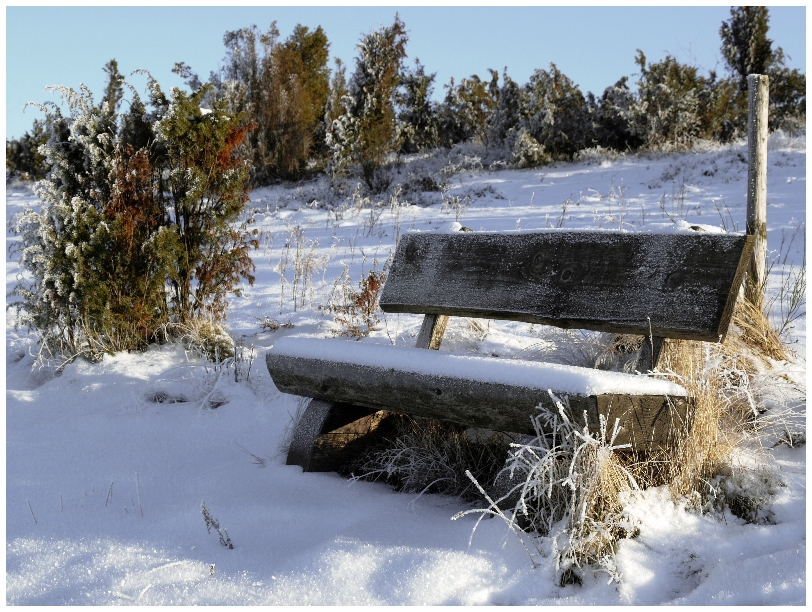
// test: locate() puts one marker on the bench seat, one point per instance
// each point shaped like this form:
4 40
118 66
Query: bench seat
487 392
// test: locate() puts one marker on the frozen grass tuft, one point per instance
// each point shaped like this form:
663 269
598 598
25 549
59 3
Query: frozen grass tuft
356 311
430 456
206 338
567 485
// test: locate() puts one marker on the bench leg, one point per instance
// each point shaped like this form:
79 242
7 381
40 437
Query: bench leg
431 332
307 430
649 354
324 430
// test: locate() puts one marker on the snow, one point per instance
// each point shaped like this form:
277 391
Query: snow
108 464
679 226
520 373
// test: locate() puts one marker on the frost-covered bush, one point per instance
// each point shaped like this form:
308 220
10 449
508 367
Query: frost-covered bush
418 125
677 106
557 115
617 126
365 134
464 112
546 119
135 230
506 117
527 152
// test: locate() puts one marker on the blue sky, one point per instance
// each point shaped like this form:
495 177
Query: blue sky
594 46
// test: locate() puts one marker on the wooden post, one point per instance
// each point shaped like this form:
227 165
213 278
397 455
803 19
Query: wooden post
431 332
758 86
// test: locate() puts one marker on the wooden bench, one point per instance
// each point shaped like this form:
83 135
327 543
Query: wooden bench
666 285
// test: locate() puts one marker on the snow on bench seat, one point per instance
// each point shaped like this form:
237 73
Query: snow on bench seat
565 379
497 394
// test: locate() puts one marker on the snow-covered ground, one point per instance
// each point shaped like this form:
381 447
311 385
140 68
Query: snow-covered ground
108 465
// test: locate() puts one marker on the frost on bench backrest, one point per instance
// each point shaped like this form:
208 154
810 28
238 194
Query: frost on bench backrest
676 285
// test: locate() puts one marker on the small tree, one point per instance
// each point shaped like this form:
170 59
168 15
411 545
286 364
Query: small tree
747 50
308 53
617 126
507 115
334 107
281 90
418 117
206 185
745 46
365 134
466 109
669 102
114 89
294 81
787 99
557 114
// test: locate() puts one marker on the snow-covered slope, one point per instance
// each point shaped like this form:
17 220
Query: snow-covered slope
108 465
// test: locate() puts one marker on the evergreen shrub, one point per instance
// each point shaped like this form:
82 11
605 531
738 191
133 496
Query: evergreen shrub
23 159
418 123
136 230
365 134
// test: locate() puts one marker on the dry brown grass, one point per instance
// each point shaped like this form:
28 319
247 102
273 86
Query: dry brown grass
718 378
426 455
356 311
752 334
705 371
599 519
207 338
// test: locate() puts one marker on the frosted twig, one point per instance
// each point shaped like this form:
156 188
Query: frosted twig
32 512
138 492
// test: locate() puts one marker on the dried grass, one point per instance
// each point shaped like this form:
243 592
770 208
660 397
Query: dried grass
566 483
430 456
752 333
710 375
356 312
206 338
726 412
576 492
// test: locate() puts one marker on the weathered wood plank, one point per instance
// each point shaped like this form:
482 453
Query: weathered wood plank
328 434
331 433
334 448
490 405
668 285
649 423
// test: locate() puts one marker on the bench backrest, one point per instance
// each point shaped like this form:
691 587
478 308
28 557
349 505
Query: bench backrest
676 285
